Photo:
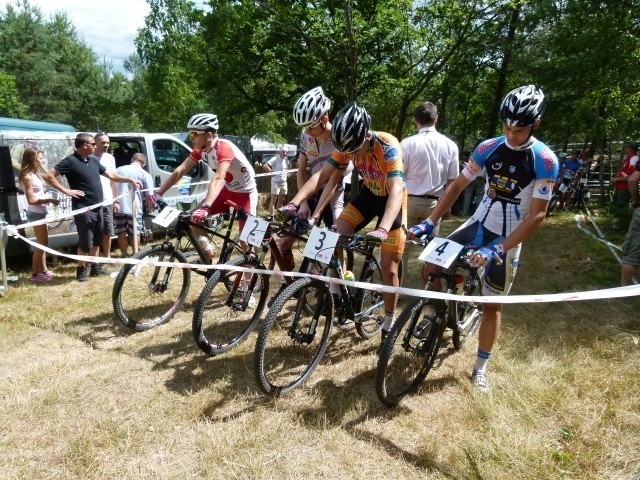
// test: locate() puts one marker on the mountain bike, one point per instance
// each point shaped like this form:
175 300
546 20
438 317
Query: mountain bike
413 343
147 295
295 332
580 194
231 302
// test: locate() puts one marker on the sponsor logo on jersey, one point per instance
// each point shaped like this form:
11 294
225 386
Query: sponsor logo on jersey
472 167
484 146
547 159
391 153
543 189
497 166
512 169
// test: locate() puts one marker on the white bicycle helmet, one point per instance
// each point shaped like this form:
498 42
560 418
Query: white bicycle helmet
202 121
349 128
522 106
310 107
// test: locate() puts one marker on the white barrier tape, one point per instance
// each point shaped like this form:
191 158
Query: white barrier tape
66 215
618 292
109 202
579 219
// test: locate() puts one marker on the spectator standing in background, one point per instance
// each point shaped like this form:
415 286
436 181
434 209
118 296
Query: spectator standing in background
631 244
109 192
621 195
82 171
124 218
430 162
277 165
31 163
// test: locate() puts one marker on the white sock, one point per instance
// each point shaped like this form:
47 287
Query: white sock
481 361
388 321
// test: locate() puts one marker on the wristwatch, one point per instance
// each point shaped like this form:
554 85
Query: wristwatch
205 205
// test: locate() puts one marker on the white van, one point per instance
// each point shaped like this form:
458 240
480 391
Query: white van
164 153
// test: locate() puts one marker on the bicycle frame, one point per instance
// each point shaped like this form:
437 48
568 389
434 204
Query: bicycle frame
351 301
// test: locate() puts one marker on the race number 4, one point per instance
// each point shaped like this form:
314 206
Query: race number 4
321 244
254 230
441 252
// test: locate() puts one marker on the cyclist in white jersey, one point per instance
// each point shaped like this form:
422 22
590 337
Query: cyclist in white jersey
234 178
521 172
311 112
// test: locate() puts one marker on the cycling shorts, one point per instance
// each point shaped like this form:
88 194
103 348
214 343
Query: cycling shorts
366 206
498 278
247 201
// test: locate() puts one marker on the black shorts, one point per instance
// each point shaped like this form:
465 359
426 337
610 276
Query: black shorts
90 229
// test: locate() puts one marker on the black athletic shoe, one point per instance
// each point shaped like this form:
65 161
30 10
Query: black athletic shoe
97 270
81 274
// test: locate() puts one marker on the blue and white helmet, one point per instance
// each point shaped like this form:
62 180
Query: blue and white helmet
522 106
203 121
310 107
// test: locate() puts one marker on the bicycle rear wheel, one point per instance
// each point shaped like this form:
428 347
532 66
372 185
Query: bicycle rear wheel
293 337
229 307
145 296
469 314
409 350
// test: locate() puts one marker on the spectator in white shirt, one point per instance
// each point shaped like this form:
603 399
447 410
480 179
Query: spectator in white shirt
430 163
277 165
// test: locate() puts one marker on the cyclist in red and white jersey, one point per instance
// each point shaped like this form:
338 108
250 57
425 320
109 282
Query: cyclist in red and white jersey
234 178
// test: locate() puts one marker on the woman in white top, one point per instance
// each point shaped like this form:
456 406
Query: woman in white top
37 209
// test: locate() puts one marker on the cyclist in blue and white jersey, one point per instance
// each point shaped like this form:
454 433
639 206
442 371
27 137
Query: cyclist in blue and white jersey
569 174
521 172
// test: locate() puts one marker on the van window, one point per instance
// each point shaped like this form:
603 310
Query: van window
122 150
169 155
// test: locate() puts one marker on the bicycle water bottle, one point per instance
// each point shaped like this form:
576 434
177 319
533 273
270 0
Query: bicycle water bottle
350 277
209 249
459 284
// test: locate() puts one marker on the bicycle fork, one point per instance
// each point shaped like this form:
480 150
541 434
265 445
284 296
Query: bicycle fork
301 336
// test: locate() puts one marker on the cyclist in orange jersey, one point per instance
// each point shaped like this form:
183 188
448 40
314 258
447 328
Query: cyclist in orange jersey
377 156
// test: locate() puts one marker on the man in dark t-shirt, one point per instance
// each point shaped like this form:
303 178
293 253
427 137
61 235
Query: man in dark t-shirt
82 171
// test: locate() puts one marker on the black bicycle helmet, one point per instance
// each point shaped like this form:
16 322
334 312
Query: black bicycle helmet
349 128
522 106
203 121
310 107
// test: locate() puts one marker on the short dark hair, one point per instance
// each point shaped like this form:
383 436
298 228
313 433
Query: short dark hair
83 138
425 113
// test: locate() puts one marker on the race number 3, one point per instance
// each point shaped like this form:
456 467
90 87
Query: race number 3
254 230
441 252
321 244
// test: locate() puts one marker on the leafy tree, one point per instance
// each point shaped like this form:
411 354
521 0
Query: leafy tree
10 104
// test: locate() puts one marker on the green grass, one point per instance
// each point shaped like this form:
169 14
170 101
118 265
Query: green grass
83 397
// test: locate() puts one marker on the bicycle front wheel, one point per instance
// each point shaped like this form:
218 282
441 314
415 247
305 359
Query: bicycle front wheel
229 307
293 337
145 296
409 350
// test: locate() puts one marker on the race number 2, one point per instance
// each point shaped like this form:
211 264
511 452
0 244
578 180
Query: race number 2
254 230
441 251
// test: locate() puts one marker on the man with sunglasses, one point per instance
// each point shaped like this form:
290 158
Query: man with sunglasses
234 178
378 158
83 171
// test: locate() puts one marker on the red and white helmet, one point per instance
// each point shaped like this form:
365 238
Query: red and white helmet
310 107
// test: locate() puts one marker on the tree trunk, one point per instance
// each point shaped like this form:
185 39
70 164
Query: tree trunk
504 70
